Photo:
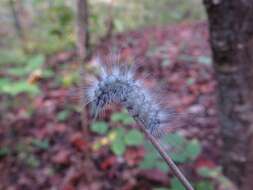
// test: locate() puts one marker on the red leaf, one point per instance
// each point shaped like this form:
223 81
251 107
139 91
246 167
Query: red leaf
108 163
134 155
203 162
78 142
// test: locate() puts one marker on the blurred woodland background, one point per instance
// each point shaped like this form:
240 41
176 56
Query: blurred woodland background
198 52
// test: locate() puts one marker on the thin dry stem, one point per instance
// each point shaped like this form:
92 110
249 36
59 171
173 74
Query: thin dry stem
168 160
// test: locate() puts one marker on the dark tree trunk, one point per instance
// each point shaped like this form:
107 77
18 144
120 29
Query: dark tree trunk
231 38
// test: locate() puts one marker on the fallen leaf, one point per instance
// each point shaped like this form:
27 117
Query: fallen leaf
78 142
108 163
62 157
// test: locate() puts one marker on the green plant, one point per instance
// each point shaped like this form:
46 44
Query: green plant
12 57
118 139
176 185
209 172
118 145
19 73
204 185
182 150
152 159
124 139
15 88
99 127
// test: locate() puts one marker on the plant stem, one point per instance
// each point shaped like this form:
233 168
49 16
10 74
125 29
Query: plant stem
168 160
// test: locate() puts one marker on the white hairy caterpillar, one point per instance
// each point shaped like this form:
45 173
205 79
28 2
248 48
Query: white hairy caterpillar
117 84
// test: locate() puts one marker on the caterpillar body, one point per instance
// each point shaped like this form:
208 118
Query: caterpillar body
118 84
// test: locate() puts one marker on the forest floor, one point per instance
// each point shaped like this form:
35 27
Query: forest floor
176 57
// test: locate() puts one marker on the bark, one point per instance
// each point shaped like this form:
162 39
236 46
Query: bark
231 38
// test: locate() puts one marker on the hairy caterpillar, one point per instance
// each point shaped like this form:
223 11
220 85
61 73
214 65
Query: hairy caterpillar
118 84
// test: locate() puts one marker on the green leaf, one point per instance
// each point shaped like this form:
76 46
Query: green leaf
161 165
120 132
19 87
63 115
152 159
153 155
118 144
117 117
176 184
42 144
128 120
151 151
204 185
99 127
147 164
134 137
118 147
209 172
179 157
4 82
174 139
122 117
149 161
17 71
35 62
193 149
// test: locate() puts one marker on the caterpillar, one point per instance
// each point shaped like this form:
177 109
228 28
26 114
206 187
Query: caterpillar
118 83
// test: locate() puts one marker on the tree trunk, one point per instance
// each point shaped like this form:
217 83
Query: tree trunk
82 44
17 11
231 38
82 29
